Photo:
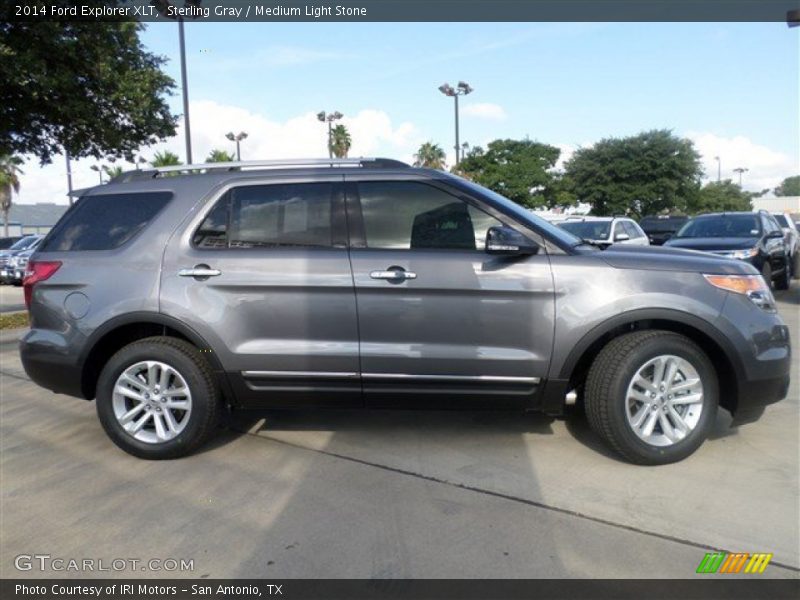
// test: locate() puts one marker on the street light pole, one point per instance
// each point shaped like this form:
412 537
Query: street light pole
185 94
237 138
740 170
329 118
462 89
69 176
719 169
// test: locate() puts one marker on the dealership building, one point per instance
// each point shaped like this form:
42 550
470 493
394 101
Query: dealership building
24 219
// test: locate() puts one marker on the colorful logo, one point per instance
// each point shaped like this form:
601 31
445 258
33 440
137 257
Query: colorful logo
722 562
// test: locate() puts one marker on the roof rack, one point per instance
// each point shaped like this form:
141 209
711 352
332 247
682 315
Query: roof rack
151 173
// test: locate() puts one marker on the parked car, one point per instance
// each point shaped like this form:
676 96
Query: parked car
26 243
14 271
604 231
7 242
791 238
659 228
359 283
755 238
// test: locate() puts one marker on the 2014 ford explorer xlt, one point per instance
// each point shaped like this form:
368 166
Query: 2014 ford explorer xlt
368 283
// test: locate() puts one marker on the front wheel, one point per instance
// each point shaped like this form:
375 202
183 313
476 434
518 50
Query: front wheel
157 398
784 280
652 395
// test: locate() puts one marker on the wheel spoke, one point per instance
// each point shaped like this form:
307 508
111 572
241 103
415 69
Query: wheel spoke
128 393
640 416
658 372
172 425
685 385
643 383
649 424
671 372
164 379
667 428
639 396
140 423
175 392
177 404
159 423
689 399
680 424
128 416
133 381
152 372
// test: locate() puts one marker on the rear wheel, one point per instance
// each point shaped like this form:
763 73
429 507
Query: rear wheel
652 396
766 273
157 398
784 280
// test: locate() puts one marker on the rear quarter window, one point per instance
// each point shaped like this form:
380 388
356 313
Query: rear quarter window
105 221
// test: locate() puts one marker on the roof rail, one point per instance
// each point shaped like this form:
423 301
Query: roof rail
153 172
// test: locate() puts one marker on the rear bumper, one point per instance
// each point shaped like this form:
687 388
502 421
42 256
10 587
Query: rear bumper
48 362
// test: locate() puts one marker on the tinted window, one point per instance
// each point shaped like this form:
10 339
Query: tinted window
269 216
405 214
588 230
104 222
656 225
782 220
721 226
25 243
770 225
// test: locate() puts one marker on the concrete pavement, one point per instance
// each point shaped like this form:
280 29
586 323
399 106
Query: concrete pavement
11 298
394 494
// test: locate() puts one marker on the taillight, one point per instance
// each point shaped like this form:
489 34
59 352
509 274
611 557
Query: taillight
38 270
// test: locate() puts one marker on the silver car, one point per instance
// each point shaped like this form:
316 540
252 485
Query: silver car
605 231
368 283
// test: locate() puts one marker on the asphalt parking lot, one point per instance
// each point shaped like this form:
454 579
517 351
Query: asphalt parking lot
393 494
11 298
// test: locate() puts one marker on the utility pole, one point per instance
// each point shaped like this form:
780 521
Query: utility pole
185 93
69 176
719 169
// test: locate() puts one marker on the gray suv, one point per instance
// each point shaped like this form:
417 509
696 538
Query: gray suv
177 294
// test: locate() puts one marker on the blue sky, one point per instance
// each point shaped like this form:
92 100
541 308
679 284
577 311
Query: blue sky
731 87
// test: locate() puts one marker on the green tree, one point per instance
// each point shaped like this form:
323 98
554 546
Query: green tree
718 196
340 141
89 87
217 155
648 173
521 170
430 156
165 159
9 184
112 172
789 187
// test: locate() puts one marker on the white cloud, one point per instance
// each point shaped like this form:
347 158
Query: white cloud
302 136
766 167
485 110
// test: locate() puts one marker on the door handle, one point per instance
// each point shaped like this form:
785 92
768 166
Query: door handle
394 275
199 272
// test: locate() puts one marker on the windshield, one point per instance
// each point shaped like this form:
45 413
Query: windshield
524 214
588 230
661 225
24 243
739 226
782 220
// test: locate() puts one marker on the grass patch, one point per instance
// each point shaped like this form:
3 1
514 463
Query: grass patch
13 320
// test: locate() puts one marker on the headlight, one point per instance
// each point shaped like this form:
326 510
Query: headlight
752 286
740 254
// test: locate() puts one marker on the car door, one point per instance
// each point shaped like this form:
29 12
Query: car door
441 322
637 235
263 274
619 235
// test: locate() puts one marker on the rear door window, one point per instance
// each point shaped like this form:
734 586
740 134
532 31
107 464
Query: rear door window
105 221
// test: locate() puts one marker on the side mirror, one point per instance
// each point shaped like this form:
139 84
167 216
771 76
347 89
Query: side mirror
509 242
775 235
622 237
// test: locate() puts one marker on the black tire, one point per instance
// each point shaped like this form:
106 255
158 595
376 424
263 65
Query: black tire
607 385
795 266
206 405
766 273
784 280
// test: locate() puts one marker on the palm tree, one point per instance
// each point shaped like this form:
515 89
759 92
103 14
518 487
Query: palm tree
217 155
340 141
112 172
9 183
165 159
430 156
